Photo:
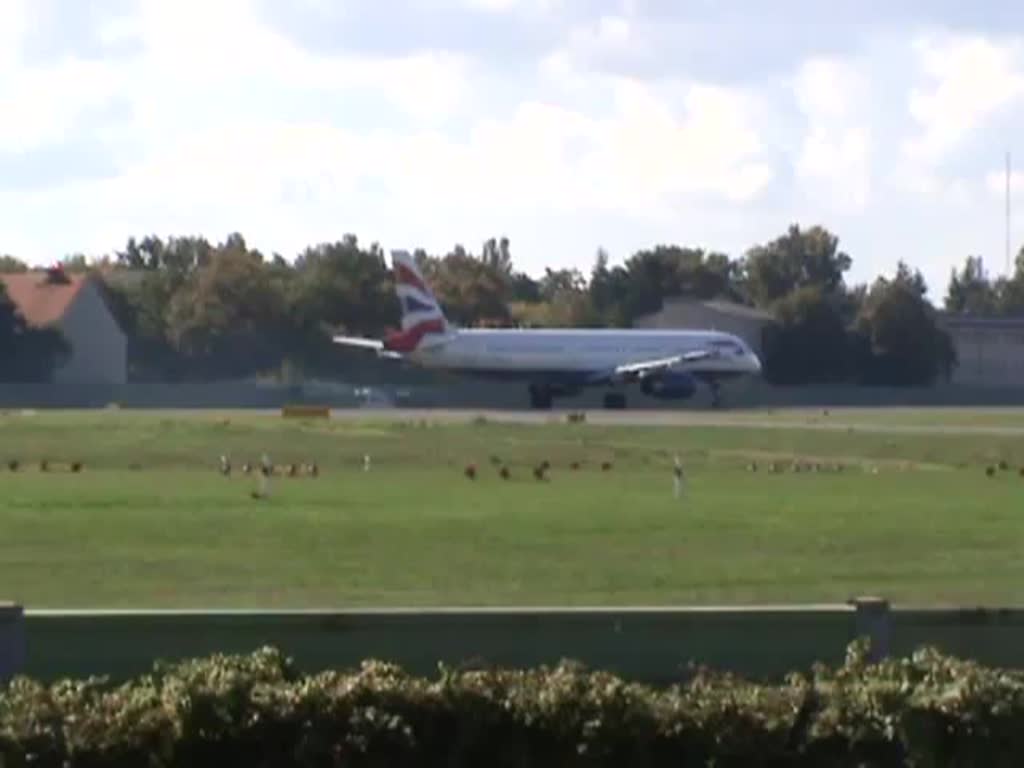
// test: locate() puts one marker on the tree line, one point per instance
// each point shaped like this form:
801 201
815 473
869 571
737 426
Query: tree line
195 310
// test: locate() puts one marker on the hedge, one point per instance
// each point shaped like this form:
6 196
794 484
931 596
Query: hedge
257 710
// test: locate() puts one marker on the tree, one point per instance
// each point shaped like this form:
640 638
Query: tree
899 340
470 290
1010 290
563 301
229 318
10 265
652 275
341 286
557 281
809 344
27 354
970 289
609 292
76 264
523 288
496 255
798 259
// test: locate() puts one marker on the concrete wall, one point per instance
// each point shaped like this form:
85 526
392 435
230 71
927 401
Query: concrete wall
646 644
988 355
99 347
462 394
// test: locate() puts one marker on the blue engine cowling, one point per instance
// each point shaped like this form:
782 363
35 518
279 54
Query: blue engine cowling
669 385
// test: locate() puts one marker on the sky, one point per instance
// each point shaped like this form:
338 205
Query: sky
565 125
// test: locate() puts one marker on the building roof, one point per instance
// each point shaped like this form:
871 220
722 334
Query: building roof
724 306
39 300
966 320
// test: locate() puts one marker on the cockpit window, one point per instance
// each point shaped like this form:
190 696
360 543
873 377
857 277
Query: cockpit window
728 346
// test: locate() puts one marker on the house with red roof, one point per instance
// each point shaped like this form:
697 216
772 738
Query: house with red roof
75 305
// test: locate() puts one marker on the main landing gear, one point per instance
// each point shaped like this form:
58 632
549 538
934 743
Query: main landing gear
540 397
615 400
716 394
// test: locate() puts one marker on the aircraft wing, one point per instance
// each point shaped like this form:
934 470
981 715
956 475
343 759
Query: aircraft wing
640 369
375 344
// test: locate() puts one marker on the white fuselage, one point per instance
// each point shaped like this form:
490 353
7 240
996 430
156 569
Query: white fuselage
580 351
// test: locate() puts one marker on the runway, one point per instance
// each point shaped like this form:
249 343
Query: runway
880 420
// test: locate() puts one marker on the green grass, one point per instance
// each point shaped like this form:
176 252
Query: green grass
150 522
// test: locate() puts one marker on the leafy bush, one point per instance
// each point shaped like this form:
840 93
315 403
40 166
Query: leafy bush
257 710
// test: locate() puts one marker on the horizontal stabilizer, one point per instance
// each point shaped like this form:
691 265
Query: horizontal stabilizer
375 344
358 341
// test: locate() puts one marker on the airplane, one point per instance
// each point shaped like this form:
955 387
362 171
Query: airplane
558 362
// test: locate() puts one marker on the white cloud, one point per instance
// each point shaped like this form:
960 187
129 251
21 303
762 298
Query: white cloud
505 6
643 159
663 142
970 79
573 63
834 161
995 181
193 160
40 105
13 27
194 57
608 33
231 48
713 148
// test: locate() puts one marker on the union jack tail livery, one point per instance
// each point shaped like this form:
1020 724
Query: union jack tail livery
421 312
418 302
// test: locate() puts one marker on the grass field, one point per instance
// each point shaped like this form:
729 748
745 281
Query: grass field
149 522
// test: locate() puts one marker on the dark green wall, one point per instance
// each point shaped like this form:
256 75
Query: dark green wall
643 644
652 645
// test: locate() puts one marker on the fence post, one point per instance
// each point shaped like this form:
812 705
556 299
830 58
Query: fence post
871 620
12 640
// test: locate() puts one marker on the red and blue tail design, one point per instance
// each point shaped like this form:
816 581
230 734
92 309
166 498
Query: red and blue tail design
421 312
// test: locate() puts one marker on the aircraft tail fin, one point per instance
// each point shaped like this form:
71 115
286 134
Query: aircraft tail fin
422 315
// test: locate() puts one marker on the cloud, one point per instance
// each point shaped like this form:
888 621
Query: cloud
713 148
834 162
643 159
610 45
209 145
565 125
13 28
995 182
970 79
504 6
234 48
40 105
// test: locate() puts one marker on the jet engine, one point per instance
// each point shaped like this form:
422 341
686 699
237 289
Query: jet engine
669 385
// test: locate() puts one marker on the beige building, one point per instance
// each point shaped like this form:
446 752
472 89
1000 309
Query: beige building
990 350
746 322
75 305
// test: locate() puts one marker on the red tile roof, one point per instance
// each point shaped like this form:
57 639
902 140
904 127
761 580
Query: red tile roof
41 303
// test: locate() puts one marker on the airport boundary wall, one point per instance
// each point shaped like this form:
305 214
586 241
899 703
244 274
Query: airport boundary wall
653 645
495 395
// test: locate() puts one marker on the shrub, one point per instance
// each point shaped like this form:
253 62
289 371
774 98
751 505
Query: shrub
928 709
